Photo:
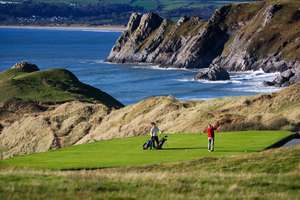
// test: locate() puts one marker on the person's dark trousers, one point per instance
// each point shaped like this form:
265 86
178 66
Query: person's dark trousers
211 144
155 139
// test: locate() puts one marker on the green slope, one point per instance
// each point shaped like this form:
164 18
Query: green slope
266 175
49 86
128 152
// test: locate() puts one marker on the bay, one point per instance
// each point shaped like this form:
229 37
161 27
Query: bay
83 51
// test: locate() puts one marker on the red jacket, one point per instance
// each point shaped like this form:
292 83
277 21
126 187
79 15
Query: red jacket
211 132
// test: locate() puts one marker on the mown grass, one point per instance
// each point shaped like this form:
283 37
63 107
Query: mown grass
128 152
273 174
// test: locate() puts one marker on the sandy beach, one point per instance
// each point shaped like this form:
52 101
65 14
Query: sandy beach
112 28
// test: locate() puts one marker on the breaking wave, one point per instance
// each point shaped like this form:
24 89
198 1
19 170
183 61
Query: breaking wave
92 61
157 67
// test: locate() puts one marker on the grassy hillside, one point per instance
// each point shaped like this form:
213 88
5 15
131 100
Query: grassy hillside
50 86
273 174
128 152
99 12
279 36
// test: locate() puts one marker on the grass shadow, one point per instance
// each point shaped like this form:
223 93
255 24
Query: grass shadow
184 148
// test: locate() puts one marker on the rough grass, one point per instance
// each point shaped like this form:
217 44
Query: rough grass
54 85
128 152
273 174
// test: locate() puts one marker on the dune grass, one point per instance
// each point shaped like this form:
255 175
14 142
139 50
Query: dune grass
128 152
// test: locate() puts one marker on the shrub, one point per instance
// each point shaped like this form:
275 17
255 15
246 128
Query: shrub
278 123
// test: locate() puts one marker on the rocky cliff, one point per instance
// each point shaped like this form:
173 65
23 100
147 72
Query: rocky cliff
151 39
237 37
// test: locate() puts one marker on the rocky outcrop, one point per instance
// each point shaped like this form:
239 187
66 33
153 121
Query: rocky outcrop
286 78
269 13
25 67
267 41
239 37
139 28
190 43
213 74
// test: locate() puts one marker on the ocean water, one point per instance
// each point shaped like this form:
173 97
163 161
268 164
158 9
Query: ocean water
83 51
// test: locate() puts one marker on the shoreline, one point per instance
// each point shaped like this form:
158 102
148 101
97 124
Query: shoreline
111 28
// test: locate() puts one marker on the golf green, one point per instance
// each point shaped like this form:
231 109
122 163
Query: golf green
129 152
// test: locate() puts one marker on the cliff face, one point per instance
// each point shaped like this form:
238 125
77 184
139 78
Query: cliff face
269 40
183 44
237 37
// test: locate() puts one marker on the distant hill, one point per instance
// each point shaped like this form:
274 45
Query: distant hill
146 4
49 86
98 12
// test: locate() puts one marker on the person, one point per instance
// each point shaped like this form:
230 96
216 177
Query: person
154 134
56 144
211 137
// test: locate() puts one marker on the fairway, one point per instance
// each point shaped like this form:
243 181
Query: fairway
128 152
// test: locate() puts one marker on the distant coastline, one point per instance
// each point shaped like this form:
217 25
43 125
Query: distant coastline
114 28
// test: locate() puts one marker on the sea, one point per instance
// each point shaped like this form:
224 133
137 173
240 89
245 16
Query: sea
83 52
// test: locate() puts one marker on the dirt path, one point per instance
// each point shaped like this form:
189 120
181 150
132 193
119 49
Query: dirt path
292 142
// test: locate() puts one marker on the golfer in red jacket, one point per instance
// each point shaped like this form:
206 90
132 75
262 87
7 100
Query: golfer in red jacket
211 137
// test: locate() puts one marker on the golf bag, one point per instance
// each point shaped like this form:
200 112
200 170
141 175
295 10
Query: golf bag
161 142
148 144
